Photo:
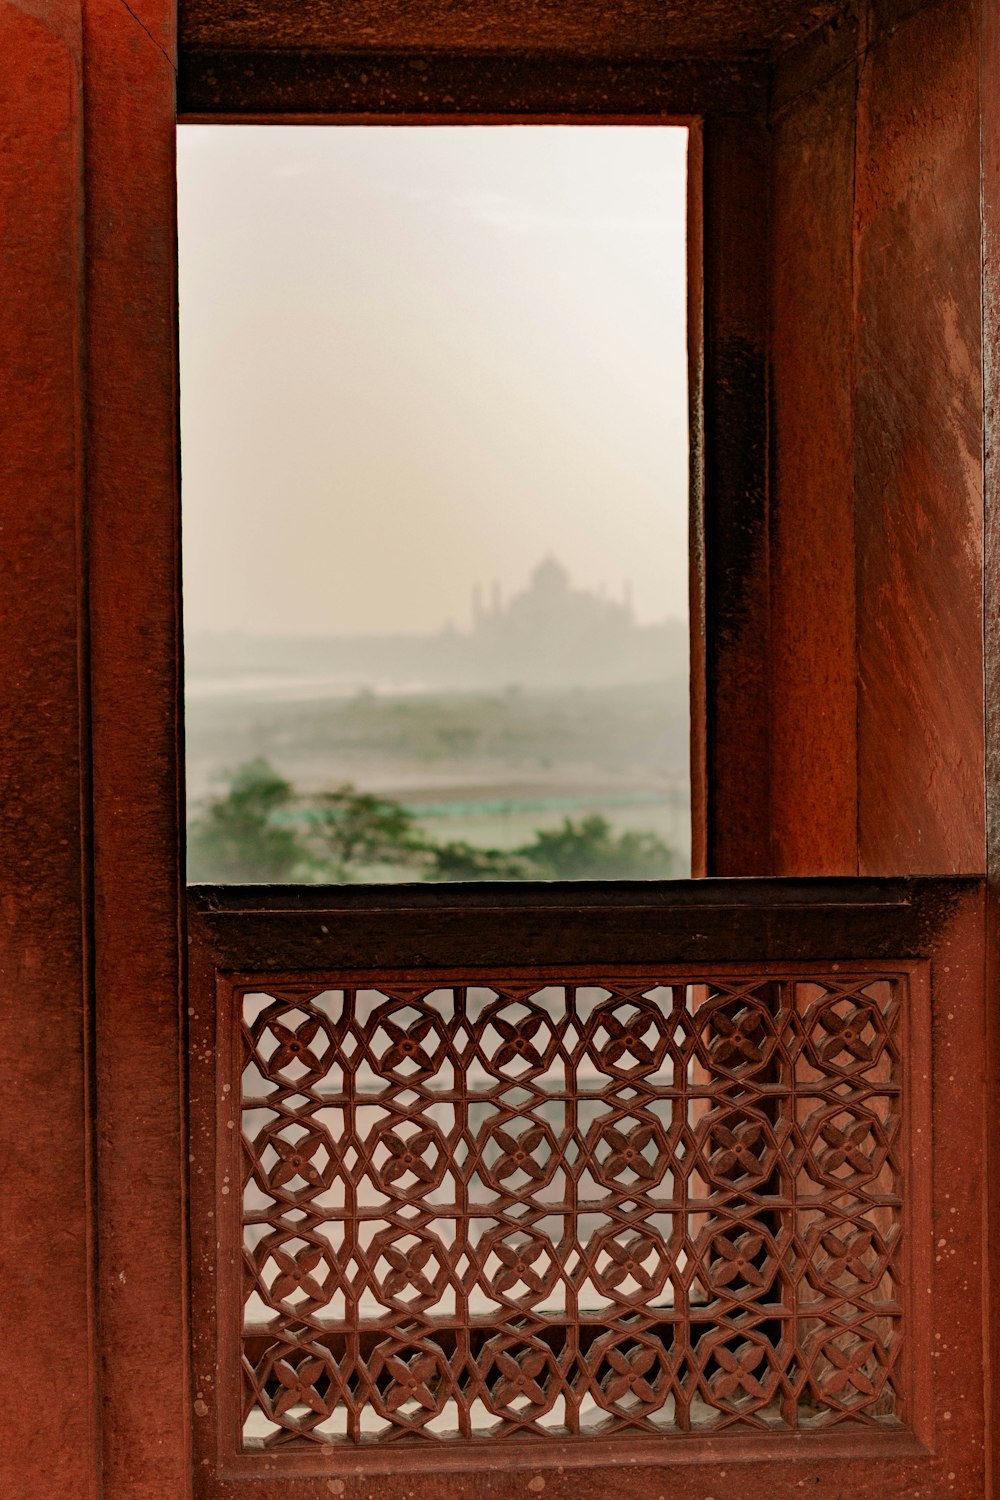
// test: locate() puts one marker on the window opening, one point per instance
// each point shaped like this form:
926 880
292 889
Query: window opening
435 469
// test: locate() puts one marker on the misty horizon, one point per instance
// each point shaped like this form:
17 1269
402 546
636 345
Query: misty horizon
495 596
548 633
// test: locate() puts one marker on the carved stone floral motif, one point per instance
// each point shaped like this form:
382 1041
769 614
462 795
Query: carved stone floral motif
661 1206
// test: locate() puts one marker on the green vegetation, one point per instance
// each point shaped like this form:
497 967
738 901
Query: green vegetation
260 829
242 837
589 850
348 831
461 861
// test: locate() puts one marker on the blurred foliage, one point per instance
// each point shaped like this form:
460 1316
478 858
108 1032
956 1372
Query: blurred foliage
349 830
461 861
261 830
590 850
241 836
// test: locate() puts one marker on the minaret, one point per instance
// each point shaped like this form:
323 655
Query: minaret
477 608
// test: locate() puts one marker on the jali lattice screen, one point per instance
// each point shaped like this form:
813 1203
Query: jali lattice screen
524 1206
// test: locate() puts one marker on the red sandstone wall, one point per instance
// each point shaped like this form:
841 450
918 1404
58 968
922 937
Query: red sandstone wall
813 703
92 1258
873 510
46 1247
919 464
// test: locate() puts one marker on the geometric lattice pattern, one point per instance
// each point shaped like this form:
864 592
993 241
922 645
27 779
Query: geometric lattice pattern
648 1205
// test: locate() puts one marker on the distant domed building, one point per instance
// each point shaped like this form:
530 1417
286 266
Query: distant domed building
549 579
550 603
551 632
549 635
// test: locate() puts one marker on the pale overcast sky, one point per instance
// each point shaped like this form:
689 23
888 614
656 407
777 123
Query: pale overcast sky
417 359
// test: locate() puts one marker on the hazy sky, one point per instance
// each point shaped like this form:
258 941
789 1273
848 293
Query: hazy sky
416 359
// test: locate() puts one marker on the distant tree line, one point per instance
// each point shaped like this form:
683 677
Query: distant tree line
261 830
